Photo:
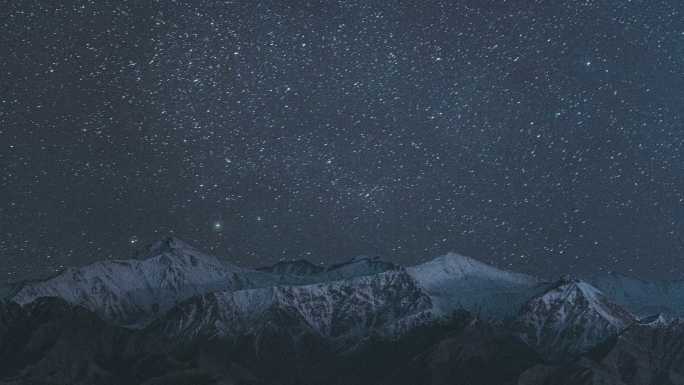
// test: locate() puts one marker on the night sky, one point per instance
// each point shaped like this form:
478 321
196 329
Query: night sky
542 136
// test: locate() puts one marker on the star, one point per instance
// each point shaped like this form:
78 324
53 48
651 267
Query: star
217 226
415 130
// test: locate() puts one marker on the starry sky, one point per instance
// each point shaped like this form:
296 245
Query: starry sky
541 136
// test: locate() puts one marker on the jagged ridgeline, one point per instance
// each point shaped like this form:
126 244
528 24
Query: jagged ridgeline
174 315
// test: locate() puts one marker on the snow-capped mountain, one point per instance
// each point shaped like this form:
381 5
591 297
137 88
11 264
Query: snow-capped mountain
454 281
387 303
198 319
570 318
641 297
132 292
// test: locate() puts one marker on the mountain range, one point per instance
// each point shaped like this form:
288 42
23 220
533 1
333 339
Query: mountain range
175 315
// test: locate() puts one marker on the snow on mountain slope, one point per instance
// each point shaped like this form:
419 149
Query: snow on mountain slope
570 318
132 292
642 297
387 303
454 281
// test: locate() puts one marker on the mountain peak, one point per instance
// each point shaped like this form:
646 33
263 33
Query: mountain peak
132 291
455 281
456 259
454 264
572 290
570 318
169 244
568 279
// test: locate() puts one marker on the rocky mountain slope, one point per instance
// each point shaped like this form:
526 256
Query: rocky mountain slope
134 292
388 303
570 318
641 355
178 316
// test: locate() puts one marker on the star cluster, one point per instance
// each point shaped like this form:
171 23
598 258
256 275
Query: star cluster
534 135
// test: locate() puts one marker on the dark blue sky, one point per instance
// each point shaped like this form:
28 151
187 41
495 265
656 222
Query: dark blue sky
534 135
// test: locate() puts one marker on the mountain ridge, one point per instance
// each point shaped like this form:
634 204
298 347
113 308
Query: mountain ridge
134 292
198 319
